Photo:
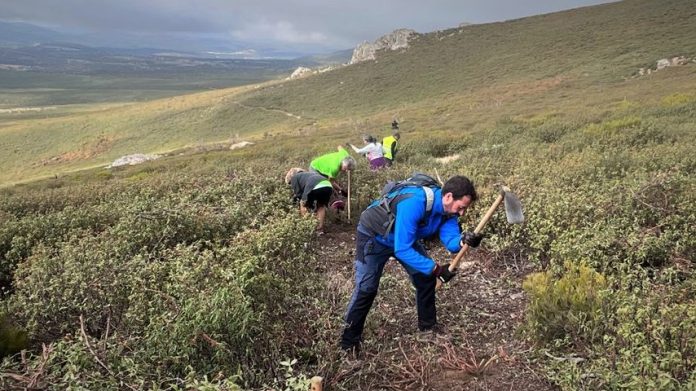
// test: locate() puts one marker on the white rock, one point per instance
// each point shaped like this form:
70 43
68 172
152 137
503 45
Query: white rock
240 145
663 63
131 160
301 72
680 60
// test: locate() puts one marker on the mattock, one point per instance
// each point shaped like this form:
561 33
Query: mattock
513 212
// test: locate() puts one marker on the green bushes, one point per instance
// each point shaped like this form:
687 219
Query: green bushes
198 275
12 338
84 275
566 307
635 340
648 344
176 281
638 233
619 226
613 196
195 307
18 237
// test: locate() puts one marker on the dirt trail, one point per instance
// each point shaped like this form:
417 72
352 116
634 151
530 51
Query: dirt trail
286 113
482 311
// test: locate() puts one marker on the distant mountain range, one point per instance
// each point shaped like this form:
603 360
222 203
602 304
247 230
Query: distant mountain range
27 47
23 34
16 35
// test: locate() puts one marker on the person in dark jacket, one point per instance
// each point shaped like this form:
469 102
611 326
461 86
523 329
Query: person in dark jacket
412 222
313 192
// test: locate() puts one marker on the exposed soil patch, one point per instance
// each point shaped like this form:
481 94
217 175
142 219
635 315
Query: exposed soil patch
86 151
447 159
481 311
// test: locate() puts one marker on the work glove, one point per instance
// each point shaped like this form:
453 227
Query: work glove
471 239
443 273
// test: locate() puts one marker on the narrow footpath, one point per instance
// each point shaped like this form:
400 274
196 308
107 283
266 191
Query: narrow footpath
482 310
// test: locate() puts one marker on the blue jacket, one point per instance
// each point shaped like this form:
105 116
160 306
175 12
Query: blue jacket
409 213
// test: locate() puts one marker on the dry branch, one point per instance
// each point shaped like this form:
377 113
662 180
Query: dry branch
94 354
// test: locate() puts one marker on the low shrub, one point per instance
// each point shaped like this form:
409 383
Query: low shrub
12 338
649 344
568 307
199 307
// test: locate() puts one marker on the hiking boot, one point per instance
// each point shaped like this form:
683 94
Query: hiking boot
437 328
351 352
433 333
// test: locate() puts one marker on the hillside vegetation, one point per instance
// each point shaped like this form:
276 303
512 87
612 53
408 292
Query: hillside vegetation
195 271
452 80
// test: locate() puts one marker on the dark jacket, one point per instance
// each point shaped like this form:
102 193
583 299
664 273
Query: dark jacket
303 183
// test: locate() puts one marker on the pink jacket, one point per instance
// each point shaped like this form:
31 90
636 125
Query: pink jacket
372 150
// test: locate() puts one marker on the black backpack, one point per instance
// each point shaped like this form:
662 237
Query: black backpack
379 218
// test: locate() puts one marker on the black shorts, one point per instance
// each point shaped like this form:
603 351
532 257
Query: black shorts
319 197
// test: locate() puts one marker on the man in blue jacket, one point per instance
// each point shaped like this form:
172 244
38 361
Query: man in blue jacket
412 222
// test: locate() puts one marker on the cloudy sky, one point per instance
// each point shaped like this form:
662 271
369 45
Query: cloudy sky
297 25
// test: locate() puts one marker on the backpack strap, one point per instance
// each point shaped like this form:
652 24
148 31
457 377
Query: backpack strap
429 200
391 217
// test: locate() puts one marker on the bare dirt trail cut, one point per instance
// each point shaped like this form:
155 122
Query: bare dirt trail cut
482 311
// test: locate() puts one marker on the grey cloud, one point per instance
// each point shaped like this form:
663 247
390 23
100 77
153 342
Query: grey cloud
322 24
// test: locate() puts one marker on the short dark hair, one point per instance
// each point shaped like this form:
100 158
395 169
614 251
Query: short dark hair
460 186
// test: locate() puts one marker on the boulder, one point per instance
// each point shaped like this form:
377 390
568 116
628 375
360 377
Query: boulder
681 60
663 63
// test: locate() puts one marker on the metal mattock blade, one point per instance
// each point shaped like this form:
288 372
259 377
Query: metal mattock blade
513 208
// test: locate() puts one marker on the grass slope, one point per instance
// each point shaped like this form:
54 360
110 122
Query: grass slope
599 45
451 80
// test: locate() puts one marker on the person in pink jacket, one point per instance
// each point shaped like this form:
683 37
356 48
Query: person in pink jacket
373 151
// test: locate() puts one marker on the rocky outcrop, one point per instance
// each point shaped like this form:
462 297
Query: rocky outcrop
304 71
397 39
301 72
665 63
240 144
674 61
130 160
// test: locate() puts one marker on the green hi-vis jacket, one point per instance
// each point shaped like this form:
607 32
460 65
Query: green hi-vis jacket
329 165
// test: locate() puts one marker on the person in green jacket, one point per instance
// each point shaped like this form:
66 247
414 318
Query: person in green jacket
332 164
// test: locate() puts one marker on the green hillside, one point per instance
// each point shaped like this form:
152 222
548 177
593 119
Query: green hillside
600 45
570 61
195 271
